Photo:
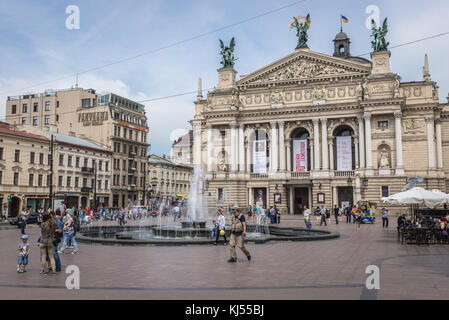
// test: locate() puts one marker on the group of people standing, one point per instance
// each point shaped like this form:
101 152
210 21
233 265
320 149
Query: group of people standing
351 213
273 214
56 227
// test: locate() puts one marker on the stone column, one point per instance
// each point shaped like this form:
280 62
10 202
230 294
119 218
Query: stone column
248 156
197 142
316 144
439 144
291 196
274 147
233 147
289 156
241 148
251 196
334 196
310 198
209 147
361 141
281 147
331 154
356 144
311 143
324 144
398 139
369 153
430 142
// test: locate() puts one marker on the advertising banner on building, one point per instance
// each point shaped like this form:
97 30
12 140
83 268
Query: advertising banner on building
344 153
300 155
260 156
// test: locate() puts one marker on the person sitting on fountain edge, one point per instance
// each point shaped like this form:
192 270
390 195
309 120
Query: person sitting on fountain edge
238 231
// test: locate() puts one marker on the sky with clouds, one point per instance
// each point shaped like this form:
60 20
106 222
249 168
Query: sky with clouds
36 47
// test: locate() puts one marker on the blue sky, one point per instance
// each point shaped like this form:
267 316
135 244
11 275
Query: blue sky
36 47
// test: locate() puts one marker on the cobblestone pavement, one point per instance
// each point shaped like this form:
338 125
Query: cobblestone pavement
331 269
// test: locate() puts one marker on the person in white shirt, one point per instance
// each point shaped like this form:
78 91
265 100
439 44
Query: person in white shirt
221 226
262 214
306 215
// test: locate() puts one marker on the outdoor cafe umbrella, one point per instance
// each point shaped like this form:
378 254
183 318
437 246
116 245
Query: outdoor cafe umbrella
440 193
418 195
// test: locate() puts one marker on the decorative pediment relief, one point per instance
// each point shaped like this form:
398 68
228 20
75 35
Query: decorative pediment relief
303 66
16 169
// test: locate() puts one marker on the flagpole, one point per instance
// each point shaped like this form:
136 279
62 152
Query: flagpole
341 23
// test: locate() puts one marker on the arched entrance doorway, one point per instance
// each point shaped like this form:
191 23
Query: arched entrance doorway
83 202
14 207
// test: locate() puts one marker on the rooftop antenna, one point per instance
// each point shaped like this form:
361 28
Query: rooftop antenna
76 84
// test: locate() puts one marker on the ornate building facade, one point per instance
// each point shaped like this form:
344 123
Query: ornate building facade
317 130
117 123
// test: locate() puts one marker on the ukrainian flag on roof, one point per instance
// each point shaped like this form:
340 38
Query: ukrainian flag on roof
344 19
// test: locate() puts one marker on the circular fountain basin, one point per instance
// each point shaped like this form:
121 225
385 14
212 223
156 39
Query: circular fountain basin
177 235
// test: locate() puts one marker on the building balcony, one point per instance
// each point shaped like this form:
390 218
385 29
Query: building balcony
296 175
86 190
258 175
349 173
314 174
87 170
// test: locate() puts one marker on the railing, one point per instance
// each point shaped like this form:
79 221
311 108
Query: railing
300 174
87 170
86 190
344 173
258 175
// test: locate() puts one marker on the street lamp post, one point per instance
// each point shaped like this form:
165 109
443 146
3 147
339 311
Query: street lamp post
94 164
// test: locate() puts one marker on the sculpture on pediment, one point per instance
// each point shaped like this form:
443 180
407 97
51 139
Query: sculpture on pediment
302 25
435 93
379 43
360 92
302 70
365 90
319 93
413 125
227 54
276 98
397 83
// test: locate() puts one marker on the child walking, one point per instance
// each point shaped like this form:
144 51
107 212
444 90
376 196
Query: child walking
24 251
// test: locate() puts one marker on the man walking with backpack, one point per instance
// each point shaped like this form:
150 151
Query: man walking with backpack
238 231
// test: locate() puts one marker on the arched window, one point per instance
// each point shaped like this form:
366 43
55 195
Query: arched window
258 146
344 148
300 157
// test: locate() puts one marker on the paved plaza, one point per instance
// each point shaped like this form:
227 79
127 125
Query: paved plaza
331 269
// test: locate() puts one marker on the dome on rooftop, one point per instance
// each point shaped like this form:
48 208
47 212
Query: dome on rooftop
341 36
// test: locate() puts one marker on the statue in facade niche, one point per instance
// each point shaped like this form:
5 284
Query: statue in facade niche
222 166
384 163
227 54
